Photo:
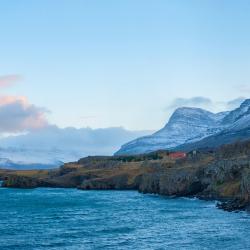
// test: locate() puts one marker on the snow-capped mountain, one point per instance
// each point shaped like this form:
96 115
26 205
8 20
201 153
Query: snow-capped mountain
49 147
236 127
188 126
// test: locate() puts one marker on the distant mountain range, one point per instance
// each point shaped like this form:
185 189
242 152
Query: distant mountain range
8 164
193 128
51 146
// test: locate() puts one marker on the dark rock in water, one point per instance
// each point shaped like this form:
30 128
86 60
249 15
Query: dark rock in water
233 205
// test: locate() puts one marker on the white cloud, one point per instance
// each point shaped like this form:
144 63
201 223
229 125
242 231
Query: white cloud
52 144
235 103
197 101
244 88
205 103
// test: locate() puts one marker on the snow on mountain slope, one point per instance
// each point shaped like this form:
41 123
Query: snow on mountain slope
242 123
185 125
239 131
238 113
238 119
188 128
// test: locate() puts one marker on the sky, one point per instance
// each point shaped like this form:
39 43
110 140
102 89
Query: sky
129 63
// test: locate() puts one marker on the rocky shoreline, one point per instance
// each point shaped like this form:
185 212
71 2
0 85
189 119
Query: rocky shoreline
222 174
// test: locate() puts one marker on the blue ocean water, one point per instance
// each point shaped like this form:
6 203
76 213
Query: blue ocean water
73 219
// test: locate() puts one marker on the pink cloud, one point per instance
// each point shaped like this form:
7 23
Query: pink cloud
9 80
18 115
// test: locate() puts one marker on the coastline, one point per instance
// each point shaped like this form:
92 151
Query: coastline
223 175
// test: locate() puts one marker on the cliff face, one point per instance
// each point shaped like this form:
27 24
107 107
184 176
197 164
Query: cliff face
223 174
223 179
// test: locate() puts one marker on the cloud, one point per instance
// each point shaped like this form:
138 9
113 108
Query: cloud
18 115
243 88
205 103
87 117
9 80
197 101
235 103
53 144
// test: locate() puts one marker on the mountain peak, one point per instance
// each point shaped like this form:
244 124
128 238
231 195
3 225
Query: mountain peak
190 111
185 125
189 108
191 115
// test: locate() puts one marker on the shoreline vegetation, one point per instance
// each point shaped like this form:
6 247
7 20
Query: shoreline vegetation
221 174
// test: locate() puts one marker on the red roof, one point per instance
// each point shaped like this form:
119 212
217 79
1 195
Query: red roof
177 155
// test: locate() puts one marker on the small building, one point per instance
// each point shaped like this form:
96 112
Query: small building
177 155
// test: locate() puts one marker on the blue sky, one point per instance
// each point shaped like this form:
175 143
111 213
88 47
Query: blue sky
124 63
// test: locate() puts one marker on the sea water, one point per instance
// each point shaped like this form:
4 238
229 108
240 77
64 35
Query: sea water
47 218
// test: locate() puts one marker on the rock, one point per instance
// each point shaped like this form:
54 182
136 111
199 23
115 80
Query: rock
118 182
233 205
23 182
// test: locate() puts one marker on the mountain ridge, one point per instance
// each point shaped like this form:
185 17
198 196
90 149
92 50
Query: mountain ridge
188 126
